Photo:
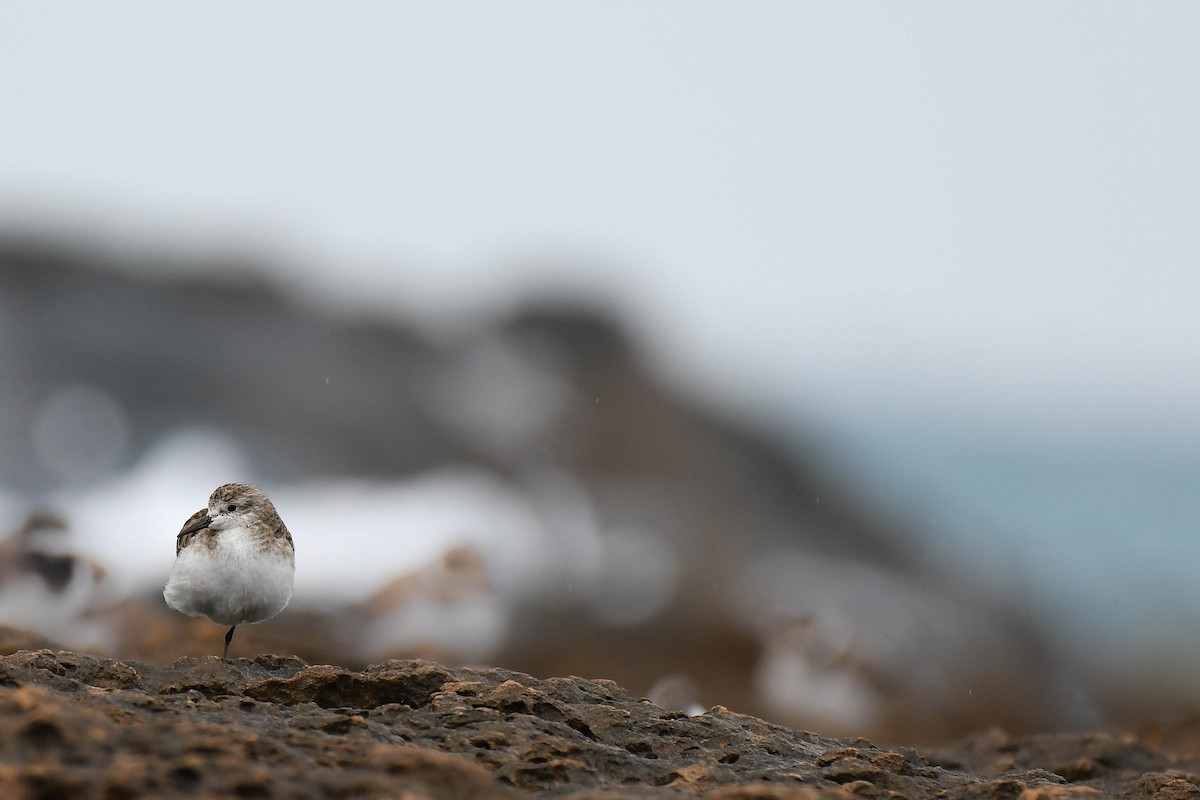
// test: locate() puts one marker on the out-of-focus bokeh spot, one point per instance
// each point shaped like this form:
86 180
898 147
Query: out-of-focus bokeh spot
80 433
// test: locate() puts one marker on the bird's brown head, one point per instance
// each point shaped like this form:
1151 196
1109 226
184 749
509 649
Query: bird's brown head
239 504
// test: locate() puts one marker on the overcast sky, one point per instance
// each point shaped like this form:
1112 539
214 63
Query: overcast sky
848 206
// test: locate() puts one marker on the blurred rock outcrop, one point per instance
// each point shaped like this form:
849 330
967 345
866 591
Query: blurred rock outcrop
711 550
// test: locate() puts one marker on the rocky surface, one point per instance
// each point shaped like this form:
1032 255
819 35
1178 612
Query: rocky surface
73 725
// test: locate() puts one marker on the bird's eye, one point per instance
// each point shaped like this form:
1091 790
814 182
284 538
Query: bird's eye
231 507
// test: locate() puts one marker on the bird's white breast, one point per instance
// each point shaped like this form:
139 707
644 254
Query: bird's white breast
234 582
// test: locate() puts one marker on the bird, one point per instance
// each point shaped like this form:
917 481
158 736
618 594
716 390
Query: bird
48 586
447 610
235 562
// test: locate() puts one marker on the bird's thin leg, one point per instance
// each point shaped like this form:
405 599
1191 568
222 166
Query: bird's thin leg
228 639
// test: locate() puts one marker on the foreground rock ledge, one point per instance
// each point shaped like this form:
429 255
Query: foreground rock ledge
73 725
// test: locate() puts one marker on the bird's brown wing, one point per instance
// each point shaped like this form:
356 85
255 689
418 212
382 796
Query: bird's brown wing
184 539
281 532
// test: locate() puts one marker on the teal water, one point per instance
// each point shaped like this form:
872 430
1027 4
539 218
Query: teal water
1099 539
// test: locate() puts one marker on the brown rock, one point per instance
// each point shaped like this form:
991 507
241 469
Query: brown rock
73 725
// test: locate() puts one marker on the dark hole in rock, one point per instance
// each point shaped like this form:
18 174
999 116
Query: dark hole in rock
669 777
642 749
583 728
120 793
184 777
543 775
548 711
730 758
251 790
1080 770
47 787
42 734
852 775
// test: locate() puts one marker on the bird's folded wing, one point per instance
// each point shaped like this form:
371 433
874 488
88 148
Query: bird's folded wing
185 538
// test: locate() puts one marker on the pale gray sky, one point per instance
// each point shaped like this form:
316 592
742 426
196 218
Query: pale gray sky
945 206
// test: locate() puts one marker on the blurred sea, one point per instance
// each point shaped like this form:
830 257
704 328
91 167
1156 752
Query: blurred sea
1099 536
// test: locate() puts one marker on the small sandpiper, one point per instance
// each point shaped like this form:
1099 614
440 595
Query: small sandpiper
234 561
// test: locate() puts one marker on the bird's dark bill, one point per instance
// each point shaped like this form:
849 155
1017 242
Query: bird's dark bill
197 522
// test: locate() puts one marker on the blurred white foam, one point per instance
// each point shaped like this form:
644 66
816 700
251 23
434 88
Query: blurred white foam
129 521
352 536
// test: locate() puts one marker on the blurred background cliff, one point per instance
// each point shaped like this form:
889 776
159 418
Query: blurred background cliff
836 364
